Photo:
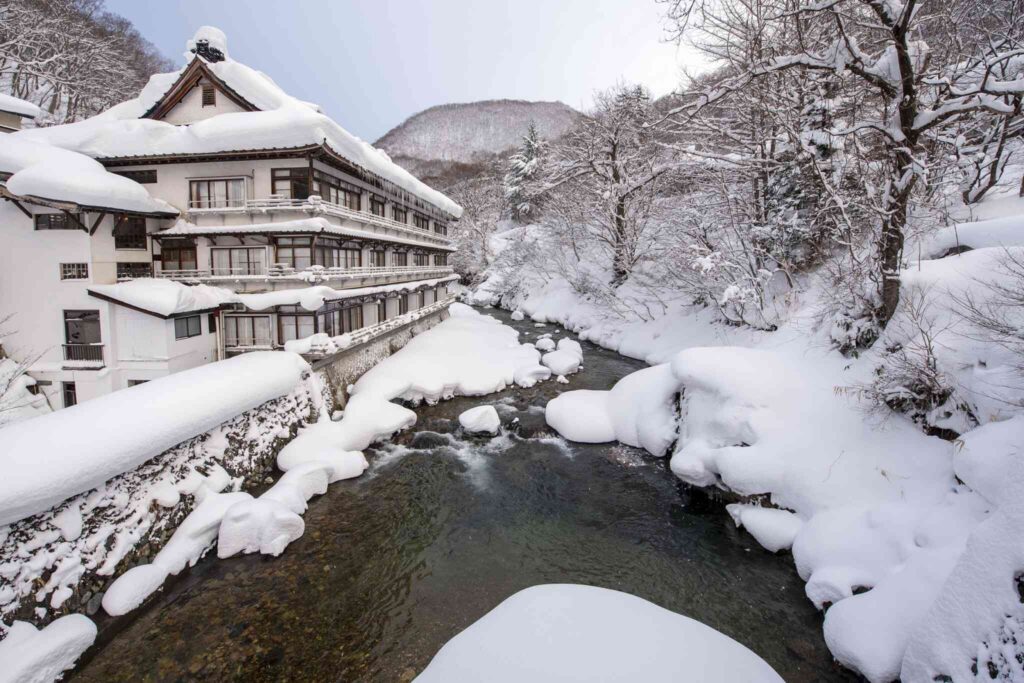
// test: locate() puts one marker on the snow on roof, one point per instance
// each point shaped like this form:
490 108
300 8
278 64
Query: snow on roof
50 458
318 224
13 105
283 122
165 298
312 298
47 172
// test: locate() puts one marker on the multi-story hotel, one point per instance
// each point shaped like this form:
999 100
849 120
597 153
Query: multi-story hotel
125 235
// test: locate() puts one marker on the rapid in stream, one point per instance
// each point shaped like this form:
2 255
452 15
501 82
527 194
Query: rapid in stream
440 530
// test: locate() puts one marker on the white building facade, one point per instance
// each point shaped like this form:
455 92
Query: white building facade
218 181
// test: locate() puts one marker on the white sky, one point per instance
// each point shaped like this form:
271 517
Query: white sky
370 64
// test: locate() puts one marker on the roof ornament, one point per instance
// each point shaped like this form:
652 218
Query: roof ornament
207 51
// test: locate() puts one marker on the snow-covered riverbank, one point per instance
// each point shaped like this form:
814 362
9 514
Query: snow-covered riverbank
887 525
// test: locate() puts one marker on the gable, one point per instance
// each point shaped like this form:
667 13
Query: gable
197 94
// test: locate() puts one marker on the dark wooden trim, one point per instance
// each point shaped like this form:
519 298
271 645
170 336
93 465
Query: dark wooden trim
96 223
236 155
79 208
21 208
73 217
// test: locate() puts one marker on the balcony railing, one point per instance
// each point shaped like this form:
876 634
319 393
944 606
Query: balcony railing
313 274
313 204
83 353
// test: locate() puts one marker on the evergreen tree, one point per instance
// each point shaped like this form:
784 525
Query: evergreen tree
524 169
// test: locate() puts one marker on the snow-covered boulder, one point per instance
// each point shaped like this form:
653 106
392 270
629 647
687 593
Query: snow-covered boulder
481 420
517 315
31 655
299 484
323 444
563 633
561 362
262 526
132 588
773 529
197 532
528 375
545 344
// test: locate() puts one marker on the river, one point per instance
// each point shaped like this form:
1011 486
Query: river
439 531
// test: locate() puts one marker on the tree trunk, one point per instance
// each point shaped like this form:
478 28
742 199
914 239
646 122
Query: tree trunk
621 258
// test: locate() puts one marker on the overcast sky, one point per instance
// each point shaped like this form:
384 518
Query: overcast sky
372 63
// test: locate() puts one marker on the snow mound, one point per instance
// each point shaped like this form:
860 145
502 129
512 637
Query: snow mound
31 655
18 106
197 532
517 315
998 232
166 297
319 445
481 420
262 526
47 172
545 344
132 588
773 529
55 456
562 633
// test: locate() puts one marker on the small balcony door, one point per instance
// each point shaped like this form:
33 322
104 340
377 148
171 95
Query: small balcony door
82 340
247 331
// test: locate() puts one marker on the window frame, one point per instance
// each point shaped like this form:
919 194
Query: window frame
81 268
209 94
176 250
69 389
196 199
136 240
189 331
65 221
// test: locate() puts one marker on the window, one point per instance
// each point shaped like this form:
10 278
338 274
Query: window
291 183
421 222
247 331
238 260
187 327
74 271
209 95
403 305
399 258
338 321
440 259
421 259
178 257
130 233
337 191
82 327
351 258
211 322
377 206
57 221
294 252
294 323
129 271
70 394
147 177
378 259
440 228
400 215
382 310
217 193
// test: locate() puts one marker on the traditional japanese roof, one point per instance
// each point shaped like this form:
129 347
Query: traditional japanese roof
51 176
164 298
270 120
316 225
13 105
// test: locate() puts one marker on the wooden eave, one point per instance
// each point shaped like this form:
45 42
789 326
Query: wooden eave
190 78
72 207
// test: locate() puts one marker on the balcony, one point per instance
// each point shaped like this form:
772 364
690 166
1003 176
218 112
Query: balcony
312 275
314 205
85 356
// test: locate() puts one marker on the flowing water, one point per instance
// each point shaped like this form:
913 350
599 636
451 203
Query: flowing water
443 528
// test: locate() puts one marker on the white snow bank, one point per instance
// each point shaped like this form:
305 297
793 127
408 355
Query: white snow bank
318 445
132 588
313 298
564 633
197 532
30 655
55 456
47 172
166 297
999 232
262 526
14 105
774 529
481 420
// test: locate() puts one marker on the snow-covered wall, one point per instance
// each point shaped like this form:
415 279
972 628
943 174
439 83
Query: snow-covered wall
62 560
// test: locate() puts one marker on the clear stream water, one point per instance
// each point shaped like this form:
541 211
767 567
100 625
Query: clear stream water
439 531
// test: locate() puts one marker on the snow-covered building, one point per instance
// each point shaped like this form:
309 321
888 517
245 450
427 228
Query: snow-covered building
212 176
13 110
